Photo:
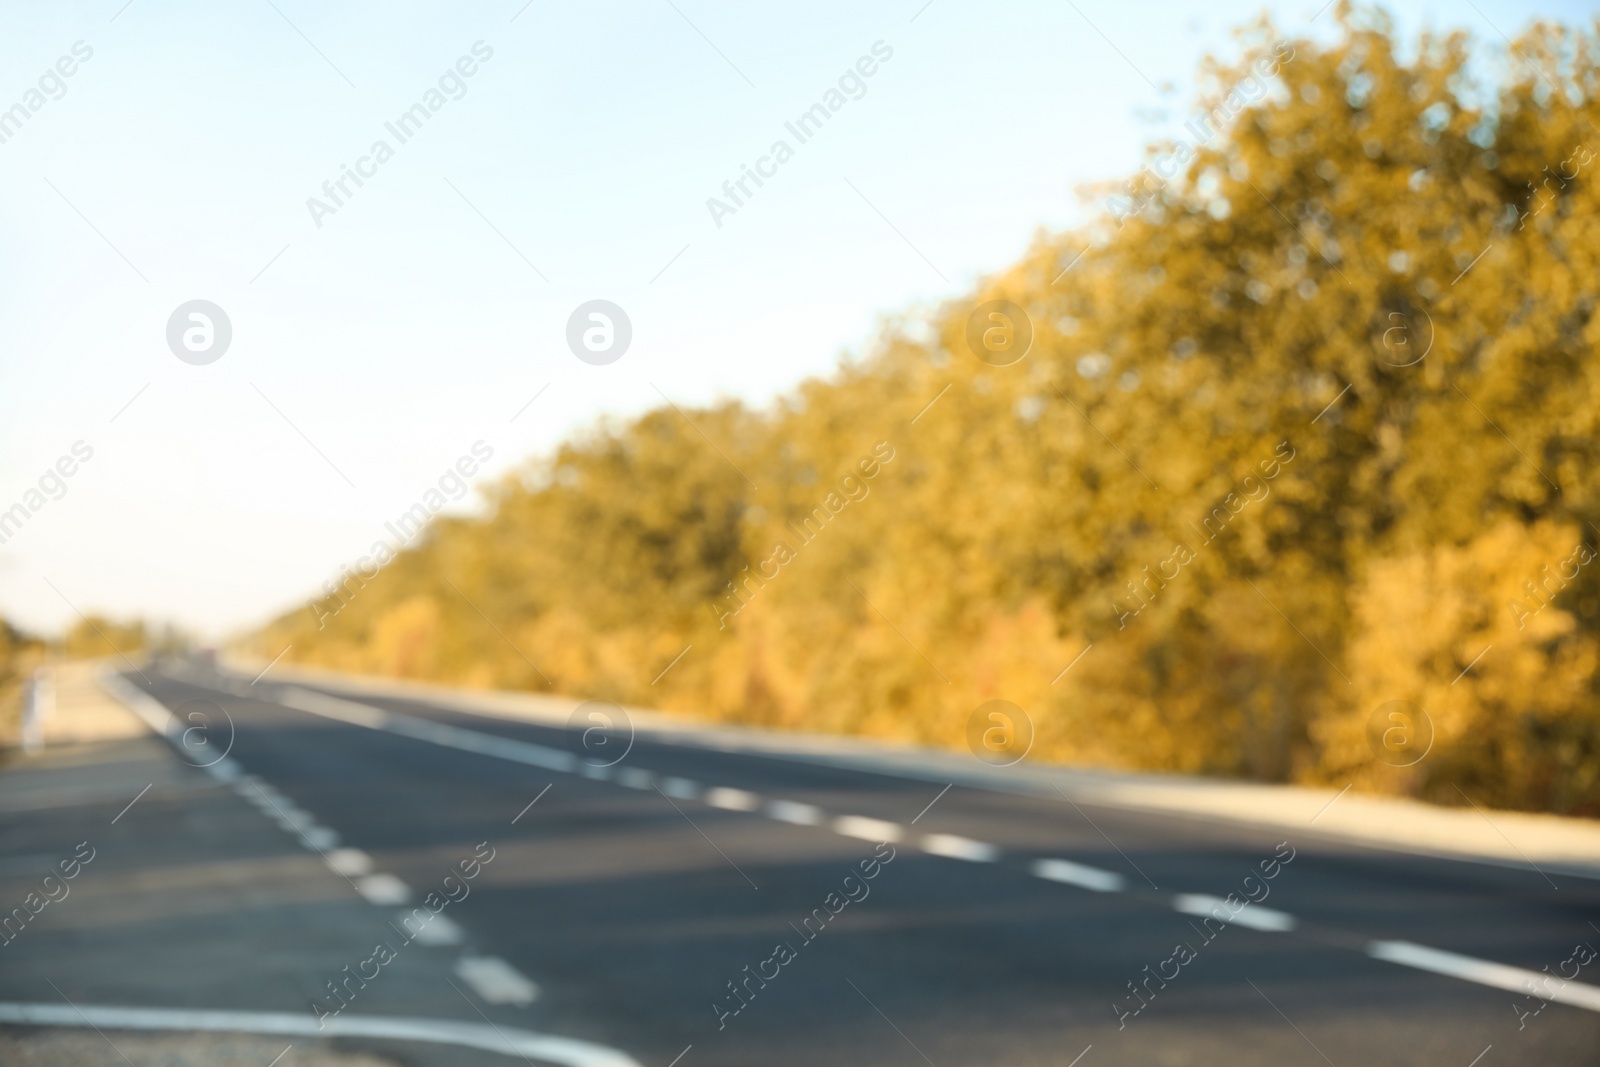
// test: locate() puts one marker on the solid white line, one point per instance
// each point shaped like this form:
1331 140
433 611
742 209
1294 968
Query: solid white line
867 829
953 846
425 730
335 708
1498 975
1244 913
567 1051
732 799
495 980
152 711
795 812
1084 877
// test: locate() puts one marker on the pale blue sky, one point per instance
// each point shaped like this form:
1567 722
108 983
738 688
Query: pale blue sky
178 162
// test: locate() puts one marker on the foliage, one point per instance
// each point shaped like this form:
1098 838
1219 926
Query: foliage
20 654
1290 438
96 637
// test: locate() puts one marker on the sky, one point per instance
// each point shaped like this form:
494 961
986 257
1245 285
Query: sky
381 333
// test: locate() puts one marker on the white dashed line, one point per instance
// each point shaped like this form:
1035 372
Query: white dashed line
350 862
732 799
293 819
434 930
1237 913
383 888
599 772
867 829
495 980
1078 874
1542 985
955 847
682 788
791 812
319 838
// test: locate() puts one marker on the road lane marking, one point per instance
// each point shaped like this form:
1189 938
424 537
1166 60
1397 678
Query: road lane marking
435 931
293 819
372 718
495 980
1238 913
953 846
334 708
383 888
569 1052
1497 975
350 862
1110 842
732 799
867 829
791 811
1084 877
319 838
225 770
152 711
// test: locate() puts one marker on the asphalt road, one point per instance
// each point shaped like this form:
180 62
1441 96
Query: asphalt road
633 895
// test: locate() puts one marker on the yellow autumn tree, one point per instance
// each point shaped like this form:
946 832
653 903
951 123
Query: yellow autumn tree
1298 414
